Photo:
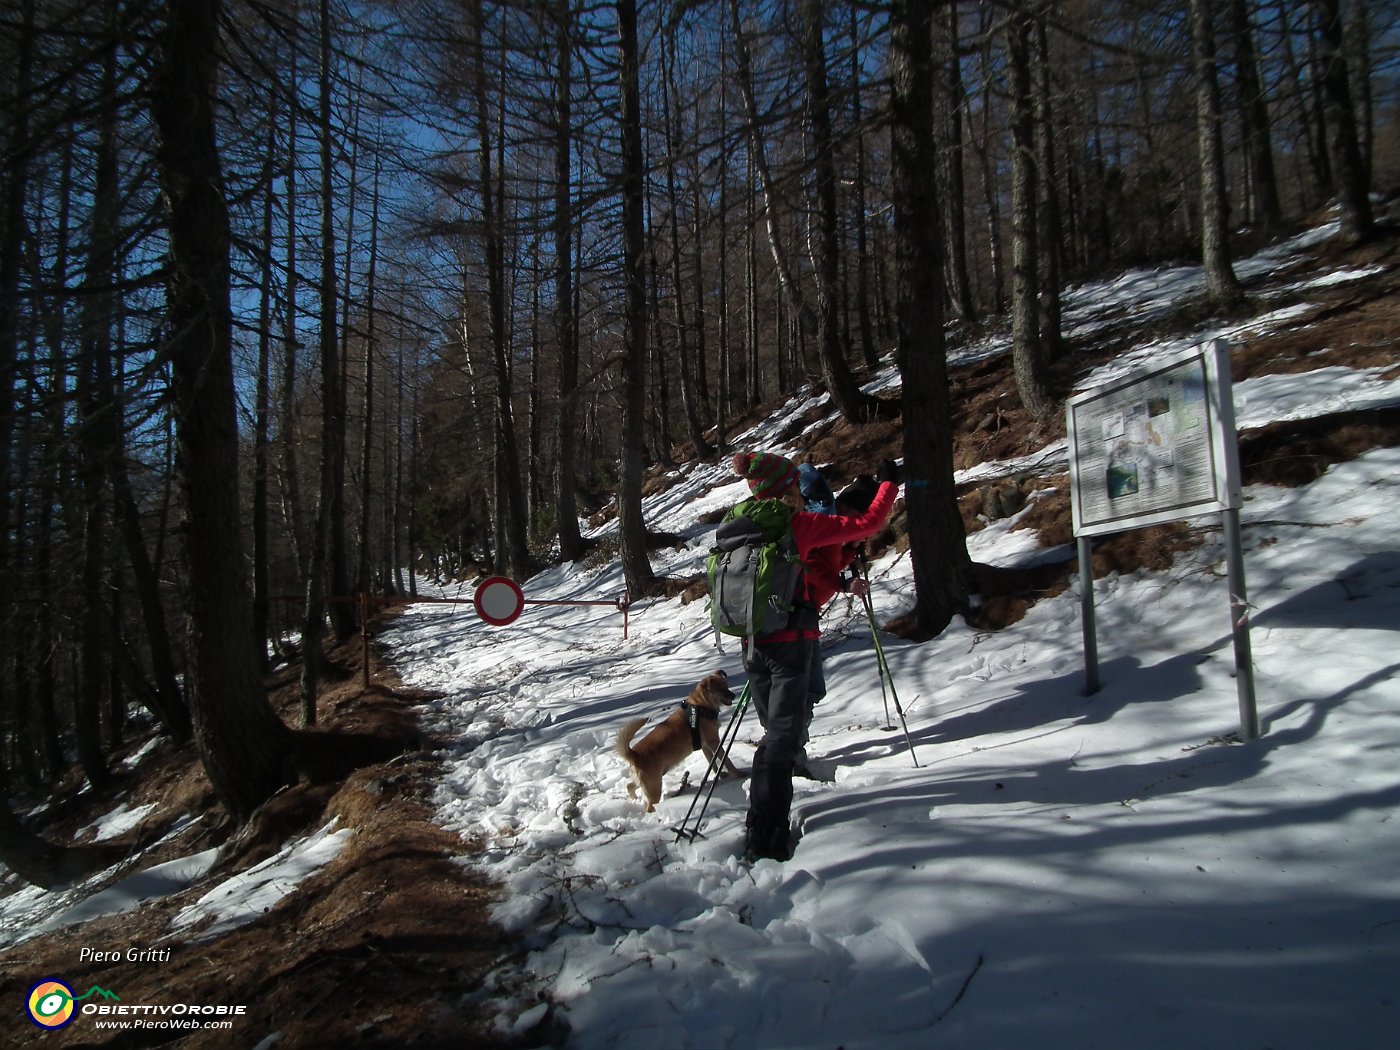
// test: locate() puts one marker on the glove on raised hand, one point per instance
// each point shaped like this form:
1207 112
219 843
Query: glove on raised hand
891 471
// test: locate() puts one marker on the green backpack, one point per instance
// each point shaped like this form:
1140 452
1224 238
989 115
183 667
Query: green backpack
754 569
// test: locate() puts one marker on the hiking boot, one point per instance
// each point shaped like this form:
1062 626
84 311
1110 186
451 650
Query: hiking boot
774 844
815 769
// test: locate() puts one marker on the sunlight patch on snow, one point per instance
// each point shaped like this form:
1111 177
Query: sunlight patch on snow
1330 279
1274 398
133 760
118 821
246 896
155 882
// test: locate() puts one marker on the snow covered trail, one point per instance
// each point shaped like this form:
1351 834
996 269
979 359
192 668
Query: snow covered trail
1057 869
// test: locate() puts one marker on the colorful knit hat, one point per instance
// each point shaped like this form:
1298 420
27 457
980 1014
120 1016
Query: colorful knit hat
769 475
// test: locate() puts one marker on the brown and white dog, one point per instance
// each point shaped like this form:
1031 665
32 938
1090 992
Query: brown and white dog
694 727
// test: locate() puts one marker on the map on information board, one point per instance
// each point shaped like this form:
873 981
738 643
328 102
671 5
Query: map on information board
1154 446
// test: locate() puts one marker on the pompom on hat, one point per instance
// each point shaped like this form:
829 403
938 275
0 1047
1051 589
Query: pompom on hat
769 475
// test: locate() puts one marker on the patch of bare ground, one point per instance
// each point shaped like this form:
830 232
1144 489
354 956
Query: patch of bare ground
388 945
1351 323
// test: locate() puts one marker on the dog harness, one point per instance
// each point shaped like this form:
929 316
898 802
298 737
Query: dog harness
693 715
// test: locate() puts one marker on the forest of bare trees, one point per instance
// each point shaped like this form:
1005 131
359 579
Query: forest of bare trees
299 299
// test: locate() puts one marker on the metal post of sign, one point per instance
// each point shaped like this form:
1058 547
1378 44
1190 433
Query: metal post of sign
1239 625
1086 608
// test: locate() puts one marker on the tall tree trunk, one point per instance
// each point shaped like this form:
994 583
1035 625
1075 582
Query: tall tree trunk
1098 194
1357 45
752 375
1305 98
14 186
990 196
114 720
262 408
241 741
565 331
512 538
97 433
343 614
699 286
1027 350
1352 180
689 403
865 281
411 526
788 284
1221 284
535 452
725 397
658 365
43 685
1254 121
289 438
393 514
955 194
726 394
936 540
332 423
636 565
166 702
21 850
56 472
853 403
44 638
1048 206
364 575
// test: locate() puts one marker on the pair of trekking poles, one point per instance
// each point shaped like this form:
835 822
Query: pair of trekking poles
683 831
885 675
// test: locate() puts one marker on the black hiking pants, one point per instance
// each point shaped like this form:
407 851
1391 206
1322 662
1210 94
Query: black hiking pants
778 688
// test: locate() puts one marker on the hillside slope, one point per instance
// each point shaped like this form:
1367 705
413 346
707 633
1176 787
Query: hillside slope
382 936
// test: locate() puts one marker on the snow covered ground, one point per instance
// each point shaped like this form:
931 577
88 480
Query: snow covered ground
1056 869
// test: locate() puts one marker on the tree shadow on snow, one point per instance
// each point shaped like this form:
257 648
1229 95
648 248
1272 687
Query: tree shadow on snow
1051 703
1053 707
1365 594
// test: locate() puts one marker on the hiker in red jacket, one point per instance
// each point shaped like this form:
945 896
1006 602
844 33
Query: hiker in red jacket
779 663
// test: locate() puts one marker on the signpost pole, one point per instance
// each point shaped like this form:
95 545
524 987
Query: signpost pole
1239 625
1086 608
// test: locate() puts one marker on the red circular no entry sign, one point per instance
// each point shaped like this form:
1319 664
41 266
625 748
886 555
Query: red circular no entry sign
498 600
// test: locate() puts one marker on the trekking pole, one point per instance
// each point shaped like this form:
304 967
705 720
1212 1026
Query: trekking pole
864 570
886 673
716 763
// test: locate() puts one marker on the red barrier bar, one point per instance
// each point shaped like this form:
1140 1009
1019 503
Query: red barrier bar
623 605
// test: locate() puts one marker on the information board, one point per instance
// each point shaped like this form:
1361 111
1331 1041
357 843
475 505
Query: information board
1155 445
